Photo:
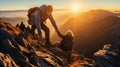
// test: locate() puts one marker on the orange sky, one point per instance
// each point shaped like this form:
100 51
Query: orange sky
60 4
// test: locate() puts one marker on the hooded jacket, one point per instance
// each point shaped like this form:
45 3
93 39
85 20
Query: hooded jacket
41 17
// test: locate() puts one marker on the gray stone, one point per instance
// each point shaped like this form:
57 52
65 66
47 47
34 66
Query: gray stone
107 57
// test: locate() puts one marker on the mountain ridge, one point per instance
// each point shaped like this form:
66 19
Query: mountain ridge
90 32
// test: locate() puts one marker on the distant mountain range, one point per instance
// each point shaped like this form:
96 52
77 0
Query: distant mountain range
92 30
12 10
14 20
31 7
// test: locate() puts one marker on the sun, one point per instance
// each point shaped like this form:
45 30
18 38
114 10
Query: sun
75 7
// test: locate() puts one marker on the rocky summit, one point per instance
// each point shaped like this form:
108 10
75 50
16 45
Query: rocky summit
20 49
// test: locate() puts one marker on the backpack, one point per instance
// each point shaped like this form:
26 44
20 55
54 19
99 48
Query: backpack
31 18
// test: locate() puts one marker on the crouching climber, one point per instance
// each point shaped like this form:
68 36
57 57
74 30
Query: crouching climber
66 43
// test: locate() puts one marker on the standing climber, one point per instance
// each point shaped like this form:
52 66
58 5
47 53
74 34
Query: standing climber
37 18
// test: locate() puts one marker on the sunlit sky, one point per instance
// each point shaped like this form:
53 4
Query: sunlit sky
60 4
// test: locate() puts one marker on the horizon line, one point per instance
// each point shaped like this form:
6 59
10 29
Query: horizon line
54 9
26 9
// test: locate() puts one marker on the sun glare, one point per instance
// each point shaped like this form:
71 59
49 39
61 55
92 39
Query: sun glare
75 7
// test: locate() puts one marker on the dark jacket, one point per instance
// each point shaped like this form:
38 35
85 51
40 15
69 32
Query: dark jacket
66 43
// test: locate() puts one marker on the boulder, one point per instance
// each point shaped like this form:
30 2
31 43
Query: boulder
49 59
37 61
7 48
21 41
108 57
7 61
4 34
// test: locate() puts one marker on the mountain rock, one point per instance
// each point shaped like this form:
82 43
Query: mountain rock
18 57
108 56
7 61
20 49
9 28
82 61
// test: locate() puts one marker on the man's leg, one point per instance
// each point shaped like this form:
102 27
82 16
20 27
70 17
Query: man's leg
32 29
47 33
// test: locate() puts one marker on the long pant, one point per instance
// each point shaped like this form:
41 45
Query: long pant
69 57
45 29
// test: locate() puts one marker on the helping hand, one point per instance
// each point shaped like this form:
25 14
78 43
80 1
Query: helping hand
57 31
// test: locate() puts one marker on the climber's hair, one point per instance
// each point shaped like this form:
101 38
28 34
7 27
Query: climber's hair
49 8
70 33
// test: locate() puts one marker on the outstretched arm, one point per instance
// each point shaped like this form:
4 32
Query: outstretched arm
38 22
53 22
60 35
55 26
